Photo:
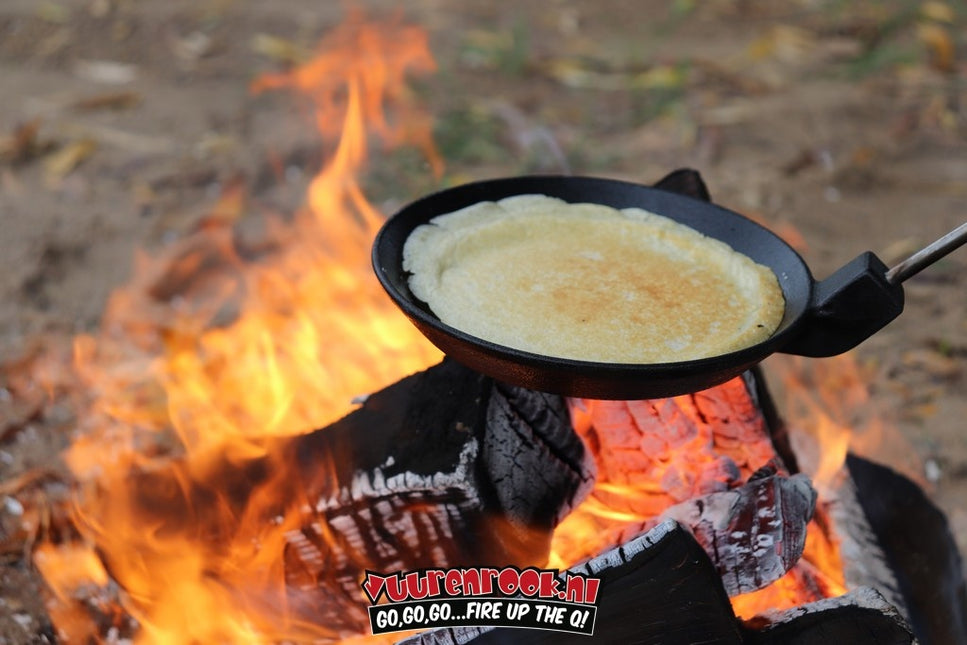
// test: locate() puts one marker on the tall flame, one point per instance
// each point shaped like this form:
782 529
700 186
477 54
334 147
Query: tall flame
228 348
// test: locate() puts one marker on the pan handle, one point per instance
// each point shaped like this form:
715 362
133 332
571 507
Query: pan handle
928 255
861 298
847 308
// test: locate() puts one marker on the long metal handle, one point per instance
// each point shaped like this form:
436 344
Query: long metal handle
928 255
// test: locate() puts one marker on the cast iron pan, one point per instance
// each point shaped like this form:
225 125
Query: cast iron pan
821 318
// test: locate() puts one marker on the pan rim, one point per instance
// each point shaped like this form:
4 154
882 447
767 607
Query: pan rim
504 186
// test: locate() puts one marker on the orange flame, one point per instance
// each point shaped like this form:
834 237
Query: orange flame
229 351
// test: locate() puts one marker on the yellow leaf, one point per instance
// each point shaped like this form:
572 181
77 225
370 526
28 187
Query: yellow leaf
661 76
783 42
939 44
937 11
62 162
53 12
279 49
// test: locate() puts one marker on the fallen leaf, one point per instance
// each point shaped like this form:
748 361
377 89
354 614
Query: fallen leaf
863 155
108 72
938 11
53 12
933 363
661 77
806 158
782 42
192 47
59 164
142 193
279 49
572 72
940 45
922 412
109 101
23 144
215 144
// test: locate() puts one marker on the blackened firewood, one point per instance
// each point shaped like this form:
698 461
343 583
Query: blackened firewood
660 588
861 617
529 450
864 563
645 584
444 468
778 430
919 548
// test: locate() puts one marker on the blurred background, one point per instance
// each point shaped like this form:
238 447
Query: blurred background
841 125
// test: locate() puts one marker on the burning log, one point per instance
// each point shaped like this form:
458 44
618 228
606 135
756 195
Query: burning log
754 533
918 550
685 459
445 468
646 583
861 616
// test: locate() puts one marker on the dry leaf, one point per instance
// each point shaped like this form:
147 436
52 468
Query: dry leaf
279 49
782 42
109 101
192 47
575 73
68 158
940 45
863 156
938 11
660 77
935 364
215 144
24 144
106 71
53 12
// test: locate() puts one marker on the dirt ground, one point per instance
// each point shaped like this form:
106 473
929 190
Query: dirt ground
846 122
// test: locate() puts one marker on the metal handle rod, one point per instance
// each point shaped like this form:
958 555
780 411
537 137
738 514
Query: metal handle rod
928 255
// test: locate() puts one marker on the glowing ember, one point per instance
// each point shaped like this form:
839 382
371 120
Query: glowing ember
654 454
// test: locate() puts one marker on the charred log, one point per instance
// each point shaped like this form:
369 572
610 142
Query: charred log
754 533
919 549
644 585
444 468
861 616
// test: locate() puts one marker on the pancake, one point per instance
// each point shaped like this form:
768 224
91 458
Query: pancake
590 282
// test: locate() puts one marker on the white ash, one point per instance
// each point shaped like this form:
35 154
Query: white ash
362 487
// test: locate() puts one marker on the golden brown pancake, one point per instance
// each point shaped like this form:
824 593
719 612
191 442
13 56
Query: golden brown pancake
590 282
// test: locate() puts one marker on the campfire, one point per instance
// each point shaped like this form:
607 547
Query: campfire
258 426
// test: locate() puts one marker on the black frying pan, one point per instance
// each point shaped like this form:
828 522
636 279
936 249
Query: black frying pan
821 318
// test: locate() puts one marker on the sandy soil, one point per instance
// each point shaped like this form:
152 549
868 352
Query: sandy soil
845 121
